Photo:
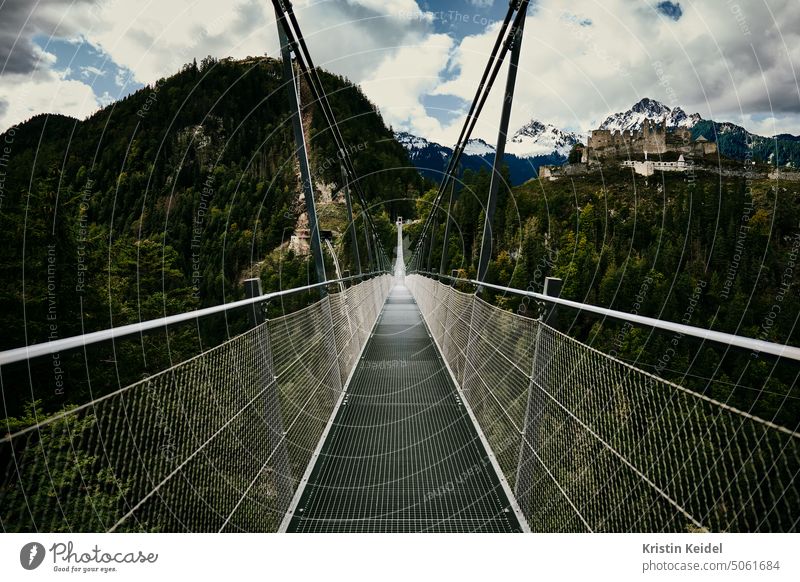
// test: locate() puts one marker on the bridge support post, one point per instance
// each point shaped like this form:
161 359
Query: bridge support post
370 262
432 244
252 288
447 338
468 352
491 203
333 349
552 288
445 248
534 410
273 417
529 436
419 264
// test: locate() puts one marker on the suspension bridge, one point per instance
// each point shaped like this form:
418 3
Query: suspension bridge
400 401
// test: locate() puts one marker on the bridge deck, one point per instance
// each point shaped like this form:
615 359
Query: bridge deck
402 454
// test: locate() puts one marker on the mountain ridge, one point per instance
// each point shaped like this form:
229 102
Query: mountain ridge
538 138
538 143
652 110
430 158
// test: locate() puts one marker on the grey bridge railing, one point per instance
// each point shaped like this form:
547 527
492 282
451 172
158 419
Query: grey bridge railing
220 442
591 443
215 443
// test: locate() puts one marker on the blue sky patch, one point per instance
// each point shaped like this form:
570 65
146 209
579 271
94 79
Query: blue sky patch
444 108
671 10
459 19
79 60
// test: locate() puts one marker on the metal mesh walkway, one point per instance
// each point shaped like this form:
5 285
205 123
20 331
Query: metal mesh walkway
402 454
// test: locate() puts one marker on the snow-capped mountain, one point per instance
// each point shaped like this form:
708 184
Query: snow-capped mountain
536 143
415 144
533 145
536 139
733 140
431 158
533 140
655 111
478 147
411 142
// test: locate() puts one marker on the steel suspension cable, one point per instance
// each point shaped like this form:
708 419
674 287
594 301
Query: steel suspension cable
300 48
491 71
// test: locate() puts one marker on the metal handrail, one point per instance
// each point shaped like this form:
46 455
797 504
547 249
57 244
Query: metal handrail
759 346
55 346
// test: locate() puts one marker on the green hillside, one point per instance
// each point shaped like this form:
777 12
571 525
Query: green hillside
736 143
710 251
164 201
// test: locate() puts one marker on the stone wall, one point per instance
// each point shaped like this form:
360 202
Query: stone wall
653 139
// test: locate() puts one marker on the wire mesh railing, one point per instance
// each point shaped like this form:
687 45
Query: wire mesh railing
590 443
215 443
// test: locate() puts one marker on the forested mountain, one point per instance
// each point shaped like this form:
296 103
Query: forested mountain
737 143
163 201
714 252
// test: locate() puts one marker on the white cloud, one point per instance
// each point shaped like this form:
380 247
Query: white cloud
580 61
391 7
105 99
90 71
772 124
154 39
122 78
401 80
580 64
45 91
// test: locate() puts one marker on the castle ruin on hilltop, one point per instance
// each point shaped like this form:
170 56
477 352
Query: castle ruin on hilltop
653 138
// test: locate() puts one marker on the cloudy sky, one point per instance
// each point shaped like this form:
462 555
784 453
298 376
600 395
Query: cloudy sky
733 60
